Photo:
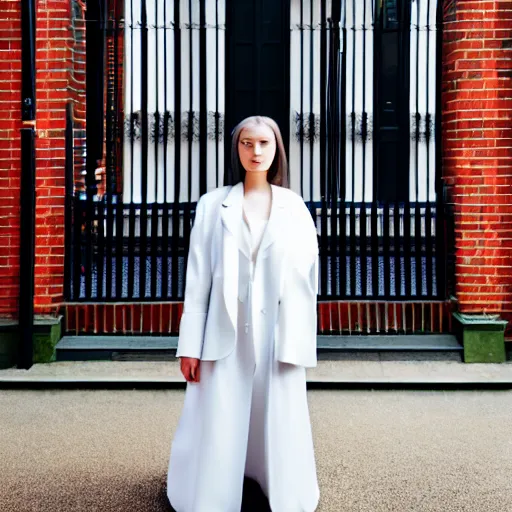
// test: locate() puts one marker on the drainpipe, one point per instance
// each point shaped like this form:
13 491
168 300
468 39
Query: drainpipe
28 182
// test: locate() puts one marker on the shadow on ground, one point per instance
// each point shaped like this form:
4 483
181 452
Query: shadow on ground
65 493
253 498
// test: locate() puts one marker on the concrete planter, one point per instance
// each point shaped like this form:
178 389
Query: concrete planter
482 336
47 333
8 343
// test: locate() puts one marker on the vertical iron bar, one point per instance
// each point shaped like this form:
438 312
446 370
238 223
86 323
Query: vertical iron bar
417 215
191 113
404 35
417 249
407 248
94 125
109 157
301 119
386 252
143 214
364 129
203 113
187 225
131 245
156 137
428 208
311 112
374 215
99 210
343 162
217 113
165 251
327 254
120 267
397 248
353 255
428 246
155 215
175 238
441 250
132 114
118 161
165 207
375 250
101 240
131 207
78 214
333 144
428 118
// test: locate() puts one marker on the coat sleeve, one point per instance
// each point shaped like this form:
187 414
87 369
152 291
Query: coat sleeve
298 307
197 288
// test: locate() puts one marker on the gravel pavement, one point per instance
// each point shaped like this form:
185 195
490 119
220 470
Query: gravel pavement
393 451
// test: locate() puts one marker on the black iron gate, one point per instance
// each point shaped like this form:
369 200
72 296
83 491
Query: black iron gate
364 144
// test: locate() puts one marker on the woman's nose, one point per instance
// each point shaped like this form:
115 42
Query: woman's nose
257 149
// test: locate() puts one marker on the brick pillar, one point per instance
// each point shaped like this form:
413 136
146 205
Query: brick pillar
477 158
10 154
54 57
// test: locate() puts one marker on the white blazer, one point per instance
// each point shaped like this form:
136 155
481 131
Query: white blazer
289 283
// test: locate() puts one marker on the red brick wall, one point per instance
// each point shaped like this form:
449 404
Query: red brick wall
477 160
10 153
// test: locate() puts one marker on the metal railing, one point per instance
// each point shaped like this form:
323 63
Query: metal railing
364 148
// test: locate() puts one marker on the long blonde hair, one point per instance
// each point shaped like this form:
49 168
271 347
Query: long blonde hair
278 171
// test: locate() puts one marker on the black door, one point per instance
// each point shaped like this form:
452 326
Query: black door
391 101
257 57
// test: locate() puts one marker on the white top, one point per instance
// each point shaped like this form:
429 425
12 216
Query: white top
256 230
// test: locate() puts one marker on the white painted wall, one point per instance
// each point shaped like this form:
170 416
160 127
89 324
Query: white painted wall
357 17
189 95
423 16
307 100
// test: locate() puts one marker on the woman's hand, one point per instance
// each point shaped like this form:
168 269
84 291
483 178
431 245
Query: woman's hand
190 368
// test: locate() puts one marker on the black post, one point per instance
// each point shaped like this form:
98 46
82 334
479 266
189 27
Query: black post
27 247
94 33
28 57
27 192
69 257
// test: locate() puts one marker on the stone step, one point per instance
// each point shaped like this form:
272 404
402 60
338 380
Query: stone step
161 348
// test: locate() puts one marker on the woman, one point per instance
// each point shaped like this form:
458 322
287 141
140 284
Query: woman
247 333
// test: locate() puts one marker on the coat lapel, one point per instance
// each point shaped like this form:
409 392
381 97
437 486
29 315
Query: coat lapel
276 221
231 214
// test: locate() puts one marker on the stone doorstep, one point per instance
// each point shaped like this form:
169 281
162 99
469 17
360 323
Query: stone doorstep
445 342
163 348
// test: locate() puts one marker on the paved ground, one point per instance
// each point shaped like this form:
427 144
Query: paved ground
338 369
393 451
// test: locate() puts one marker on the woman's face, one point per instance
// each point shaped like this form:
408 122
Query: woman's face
257 147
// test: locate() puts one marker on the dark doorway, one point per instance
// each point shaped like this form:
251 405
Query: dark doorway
257 63
391 101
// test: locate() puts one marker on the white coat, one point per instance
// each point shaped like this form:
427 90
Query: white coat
208 455
289 248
